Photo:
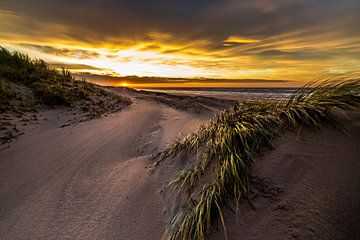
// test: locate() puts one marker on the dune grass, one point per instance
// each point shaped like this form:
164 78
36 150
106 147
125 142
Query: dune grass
226 148
24 80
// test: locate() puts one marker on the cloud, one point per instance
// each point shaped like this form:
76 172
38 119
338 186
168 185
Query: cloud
239 40
73 66
63 52
135 80
295 55
292 39
112 20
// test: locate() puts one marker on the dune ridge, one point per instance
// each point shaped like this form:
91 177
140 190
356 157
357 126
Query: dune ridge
79 168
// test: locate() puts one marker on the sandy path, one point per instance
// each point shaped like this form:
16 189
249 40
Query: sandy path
88 181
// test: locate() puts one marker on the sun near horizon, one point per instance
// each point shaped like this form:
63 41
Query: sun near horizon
124 84
280 44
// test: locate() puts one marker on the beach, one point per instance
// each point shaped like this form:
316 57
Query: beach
99 179
91 180
179 120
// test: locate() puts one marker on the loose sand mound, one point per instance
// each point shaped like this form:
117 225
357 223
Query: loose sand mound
307 188
91 180
94 180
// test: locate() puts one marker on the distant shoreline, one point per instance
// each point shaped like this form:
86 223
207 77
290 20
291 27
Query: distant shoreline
229 93
219 89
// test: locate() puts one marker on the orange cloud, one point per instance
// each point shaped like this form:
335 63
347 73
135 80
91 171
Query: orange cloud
214 44
238 39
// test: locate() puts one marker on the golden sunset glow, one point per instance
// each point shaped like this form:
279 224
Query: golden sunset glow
233 47
239 39
124 84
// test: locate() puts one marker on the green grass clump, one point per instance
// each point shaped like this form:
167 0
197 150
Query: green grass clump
5 95
49 86
227 146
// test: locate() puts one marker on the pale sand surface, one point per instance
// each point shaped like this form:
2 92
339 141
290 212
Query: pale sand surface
90 180
94 180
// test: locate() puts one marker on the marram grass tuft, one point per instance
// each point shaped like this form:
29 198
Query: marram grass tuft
227 146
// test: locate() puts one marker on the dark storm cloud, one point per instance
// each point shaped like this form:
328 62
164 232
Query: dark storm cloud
196 19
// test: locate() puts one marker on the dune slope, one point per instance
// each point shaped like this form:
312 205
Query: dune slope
307 188
95 179
90 180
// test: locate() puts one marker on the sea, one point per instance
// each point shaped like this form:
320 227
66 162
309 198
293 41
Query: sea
232 93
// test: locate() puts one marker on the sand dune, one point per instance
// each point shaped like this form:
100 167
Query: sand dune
307 188
94 180
90 180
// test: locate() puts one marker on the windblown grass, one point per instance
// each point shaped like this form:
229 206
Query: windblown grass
228 145
19 74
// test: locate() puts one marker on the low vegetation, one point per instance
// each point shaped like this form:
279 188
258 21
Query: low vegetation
226 147
26 83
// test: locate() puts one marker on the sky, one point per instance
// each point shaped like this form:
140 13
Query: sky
188 43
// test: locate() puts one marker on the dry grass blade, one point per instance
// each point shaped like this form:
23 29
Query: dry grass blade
231 141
